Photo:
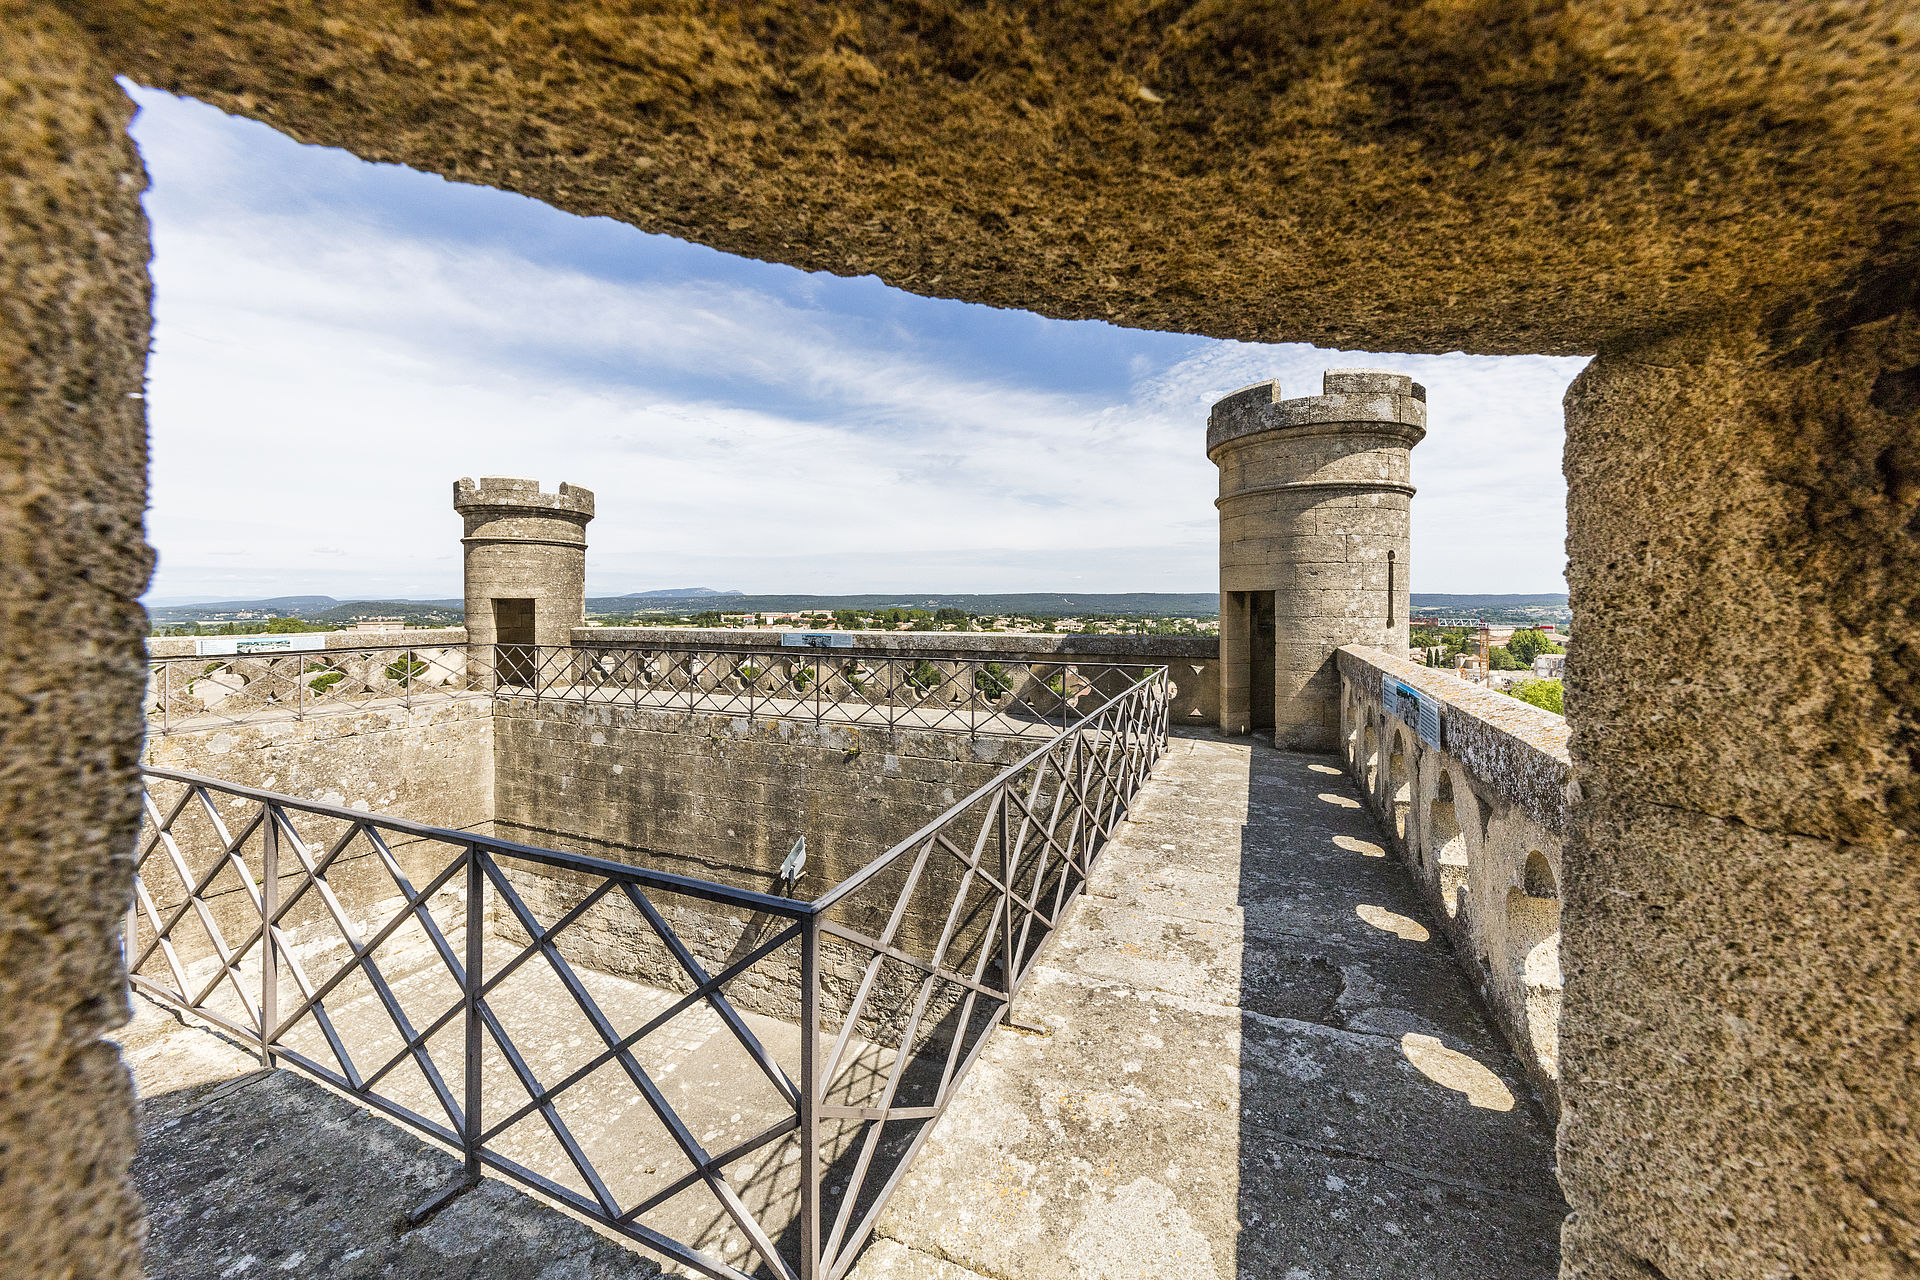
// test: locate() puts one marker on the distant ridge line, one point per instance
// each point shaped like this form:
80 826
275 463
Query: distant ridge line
703 600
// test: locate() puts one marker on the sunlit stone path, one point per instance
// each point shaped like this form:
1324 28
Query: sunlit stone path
1260 1061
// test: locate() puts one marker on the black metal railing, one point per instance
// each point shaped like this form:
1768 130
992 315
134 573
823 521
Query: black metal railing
215 690
735 1079
970 693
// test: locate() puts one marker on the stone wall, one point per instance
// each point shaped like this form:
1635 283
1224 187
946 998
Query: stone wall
1740 1053
1481 822
433 637
432 763
722 798
73 562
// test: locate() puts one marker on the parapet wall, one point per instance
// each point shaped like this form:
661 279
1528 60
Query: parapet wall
437 637
1480 818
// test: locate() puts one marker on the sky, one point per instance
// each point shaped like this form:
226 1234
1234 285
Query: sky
336 342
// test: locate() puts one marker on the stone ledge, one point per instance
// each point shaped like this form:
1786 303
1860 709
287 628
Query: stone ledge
1516 748
416 637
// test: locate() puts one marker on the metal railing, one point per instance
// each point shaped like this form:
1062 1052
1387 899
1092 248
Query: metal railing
211 691
958 692
734 1079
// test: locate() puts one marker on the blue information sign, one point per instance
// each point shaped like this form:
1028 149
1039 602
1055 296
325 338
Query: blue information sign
815 640
1421 713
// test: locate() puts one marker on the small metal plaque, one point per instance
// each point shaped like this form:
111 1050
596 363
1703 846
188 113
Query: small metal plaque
815 640
1419 712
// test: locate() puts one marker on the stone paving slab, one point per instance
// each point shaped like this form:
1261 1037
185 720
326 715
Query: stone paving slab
1263 1062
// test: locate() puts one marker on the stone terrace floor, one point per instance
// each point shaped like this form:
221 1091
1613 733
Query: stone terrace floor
1260 1062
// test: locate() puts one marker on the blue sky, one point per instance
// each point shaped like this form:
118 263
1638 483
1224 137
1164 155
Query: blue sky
336 342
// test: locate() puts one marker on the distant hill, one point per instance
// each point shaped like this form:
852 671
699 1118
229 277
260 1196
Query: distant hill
311 609
1033 604
1431 600
1037 604
282 604
677 593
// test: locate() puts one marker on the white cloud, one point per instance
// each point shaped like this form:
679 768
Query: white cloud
320 379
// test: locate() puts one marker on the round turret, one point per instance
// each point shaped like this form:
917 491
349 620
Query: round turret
1315 497
526 560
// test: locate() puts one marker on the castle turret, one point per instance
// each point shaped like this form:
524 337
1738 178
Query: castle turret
526 560
1314 504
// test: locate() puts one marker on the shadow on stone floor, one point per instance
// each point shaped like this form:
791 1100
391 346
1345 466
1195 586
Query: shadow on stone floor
1377 1099
1262 1063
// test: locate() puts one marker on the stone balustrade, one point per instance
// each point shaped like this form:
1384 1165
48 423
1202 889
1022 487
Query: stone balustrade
1475 801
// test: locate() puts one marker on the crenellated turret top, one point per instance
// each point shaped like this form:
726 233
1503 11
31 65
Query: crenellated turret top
524 496
1360 399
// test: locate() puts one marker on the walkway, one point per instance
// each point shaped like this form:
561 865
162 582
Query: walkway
1261 1063
1257 1063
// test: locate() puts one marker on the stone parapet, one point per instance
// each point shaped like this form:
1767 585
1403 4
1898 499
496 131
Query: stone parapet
1347 396
1480 819
510 493
990 643
1515 748
437 637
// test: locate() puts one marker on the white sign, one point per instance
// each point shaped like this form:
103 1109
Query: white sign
293 642
1422 714
815 640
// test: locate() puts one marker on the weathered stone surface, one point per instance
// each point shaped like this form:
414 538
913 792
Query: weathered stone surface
1489 177
1517 751
73 562
433 763
1480 822
434 638
722 796
1742 899
1260 1061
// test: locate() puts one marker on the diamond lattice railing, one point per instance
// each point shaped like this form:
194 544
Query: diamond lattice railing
733 1079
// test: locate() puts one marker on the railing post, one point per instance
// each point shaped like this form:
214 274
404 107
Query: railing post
970 672
1006 894
811 1263
476 959
269 949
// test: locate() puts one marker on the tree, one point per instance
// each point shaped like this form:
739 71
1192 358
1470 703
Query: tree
1502 660
1528 644
1548 695
846 620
